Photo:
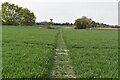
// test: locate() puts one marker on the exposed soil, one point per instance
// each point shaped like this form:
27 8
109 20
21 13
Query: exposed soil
45 26
107 28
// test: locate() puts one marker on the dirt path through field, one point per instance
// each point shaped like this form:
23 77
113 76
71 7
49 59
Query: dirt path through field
62 67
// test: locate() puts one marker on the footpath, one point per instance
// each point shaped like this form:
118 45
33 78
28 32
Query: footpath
62 67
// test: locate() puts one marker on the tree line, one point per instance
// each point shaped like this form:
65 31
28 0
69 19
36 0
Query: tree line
14 15
53 23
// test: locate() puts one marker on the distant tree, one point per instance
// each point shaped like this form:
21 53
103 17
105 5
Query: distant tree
51 21
80 24
59 24
67 23
84 22
43 23
93 24
14 15
115 26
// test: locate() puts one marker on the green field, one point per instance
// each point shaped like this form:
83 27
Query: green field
28 52
94 53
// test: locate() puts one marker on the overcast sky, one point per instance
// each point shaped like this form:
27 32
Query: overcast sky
104 11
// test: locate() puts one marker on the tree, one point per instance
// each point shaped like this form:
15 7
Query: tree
14 15
93 24
26 17
51 21
7 13
83 23
80 24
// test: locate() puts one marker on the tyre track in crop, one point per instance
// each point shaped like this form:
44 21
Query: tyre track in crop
62 67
